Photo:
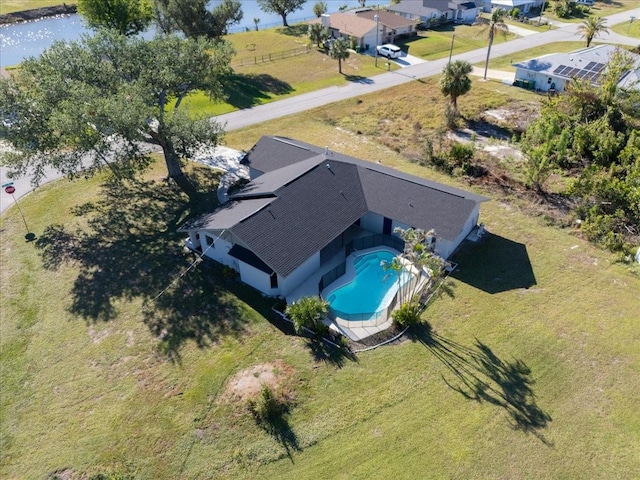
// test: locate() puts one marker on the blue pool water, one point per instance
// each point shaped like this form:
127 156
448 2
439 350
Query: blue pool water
366 292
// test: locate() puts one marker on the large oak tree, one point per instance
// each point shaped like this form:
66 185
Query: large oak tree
85 105
281 7
128 17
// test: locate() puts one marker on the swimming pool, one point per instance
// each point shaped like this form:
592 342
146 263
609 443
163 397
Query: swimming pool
371 290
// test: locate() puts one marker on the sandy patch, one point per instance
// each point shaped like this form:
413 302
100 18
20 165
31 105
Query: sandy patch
247 383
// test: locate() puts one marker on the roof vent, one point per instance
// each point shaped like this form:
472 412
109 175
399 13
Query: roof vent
329 168
326 151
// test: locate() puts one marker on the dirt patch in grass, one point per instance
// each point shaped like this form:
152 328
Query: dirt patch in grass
248 383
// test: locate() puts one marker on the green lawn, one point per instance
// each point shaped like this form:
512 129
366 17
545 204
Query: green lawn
531 370
602 8
10 6
435 44
630 29
505 62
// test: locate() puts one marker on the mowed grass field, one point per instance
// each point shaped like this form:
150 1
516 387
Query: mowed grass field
10 6
531 369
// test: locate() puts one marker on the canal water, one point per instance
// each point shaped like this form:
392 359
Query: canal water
23 40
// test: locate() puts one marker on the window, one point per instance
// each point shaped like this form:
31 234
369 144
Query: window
274 280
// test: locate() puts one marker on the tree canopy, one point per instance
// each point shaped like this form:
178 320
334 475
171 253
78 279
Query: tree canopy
127 17
281 7
591 28
93 103
192 18
339 50
592 132
493 26
455 81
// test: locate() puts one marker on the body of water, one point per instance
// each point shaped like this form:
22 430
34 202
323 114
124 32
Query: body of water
20 41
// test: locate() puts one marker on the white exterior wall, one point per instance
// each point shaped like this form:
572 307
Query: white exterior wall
445 247
467 16
256 278
290 283
541 79
220 251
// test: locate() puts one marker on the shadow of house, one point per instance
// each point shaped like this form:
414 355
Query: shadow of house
494 265
480 375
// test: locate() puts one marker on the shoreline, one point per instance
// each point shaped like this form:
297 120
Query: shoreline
37 13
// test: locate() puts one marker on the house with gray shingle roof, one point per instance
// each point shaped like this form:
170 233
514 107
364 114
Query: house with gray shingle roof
426 11
304 203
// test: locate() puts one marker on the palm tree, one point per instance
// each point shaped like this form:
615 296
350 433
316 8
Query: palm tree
455 81
592 27
317 33
339 50
494 25
308 312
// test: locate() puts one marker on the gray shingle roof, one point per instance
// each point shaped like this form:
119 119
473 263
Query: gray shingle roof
307 204
305 217
272 153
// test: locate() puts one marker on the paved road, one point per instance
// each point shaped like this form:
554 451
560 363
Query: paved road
300 103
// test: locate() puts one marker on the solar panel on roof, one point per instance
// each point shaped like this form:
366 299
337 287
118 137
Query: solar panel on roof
582 73
557 70
573 72
590 65
565 70
590 75
598 67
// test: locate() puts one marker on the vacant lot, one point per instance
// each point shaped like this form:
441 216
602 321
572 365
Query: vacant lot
530 371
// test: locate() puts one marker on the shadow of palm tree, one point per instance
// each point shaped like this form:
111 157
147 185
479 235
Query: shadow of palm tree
280 429
482 376
131 250
247 90
322 351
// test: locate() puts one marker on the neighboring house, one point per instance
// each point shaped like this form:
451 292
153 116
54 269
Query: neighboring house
523 5
305 203
359 27
392 25
554 71
426 11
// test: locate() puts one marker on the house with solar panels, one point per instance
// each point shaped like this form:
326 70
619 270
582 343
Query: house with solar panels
553 72
305 206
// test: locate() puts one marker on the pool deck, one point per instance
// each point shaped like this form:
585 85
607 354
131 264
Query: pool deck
310 288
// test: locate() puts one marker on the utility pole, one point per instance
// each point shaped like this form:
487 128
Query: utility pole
541 10
376 17
453 37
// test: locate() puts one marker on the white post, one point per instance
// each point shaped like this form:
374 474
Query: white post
376 17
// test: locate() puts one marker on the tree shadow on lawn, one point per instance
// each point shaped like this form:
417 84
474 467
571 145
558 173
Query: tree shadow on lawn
494 264
280 429
247 90
322 351
484 377
131 250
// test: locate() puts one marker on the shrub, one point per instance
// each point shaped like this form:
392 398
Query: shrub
408 314
308 312
267 408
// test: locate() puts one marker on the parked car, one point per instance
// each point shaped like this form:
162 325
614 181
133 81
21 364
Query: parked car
389 50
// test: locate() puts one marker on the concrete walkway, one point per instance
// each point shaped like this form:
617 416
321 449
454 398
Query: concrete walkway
501 75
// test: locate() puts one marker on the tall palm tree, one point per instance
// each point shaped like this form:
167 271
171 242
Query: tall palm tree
494 25
592 27
339 50
455 81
